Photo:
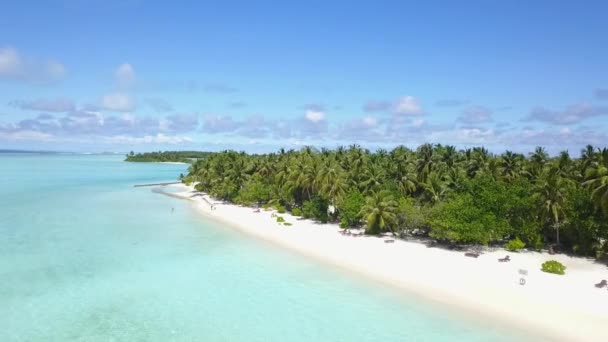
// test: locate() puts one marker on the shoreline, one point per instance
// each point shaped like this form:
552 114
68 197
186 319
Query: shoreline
553 307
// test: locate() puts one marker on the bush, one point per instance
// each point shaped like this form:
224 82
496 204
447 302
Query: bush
316 209
281 209
344 223
350 208
553 266
266 206
280 219
515 245
538 243
461 220
296 212
287 224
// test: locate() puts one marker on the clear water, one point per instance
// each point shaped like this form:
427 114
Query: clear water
84 256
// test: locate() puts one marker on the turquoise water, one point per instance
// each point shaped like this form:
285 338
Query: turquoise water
84 256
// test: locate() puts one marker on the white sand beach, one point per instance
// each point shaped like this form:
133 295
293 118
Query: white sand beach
553 307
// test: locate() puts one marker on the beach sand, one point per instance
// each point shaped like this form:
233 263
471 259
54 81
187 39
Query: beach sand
553 307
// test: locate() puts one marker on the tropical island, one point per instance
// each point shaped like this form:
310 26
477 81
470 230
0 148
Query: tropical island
511 238
456 197
166 156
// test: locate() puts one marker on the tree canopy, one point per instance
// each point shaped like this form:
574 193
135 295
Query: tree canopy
455 196
167 156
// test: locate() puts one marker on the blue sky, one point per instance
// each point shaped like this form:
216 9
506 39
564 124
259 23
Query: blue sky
134 75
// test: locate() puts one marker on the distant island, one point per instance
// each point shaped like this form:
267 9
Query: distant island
454 197
167 156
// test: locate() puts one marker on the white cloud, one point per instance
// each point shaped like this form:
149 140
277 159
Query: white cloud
25 135
148 139
10 62
418 122
125 75
46 105
118 102
571 115
359 129
475 115
314 116
464 136
14 66
55 70
407 105
370 121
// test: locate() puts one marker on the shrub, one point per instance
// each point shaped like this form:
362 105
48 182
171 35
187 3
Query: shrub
281 209
296 212
350 208
280 219
538 243
553 266
344 223
266 206
316 209
287 224
515 245
461 220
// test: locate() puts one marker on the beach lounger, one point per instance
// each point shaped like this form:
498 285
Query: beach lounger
471 254
389 241
505 259
602 284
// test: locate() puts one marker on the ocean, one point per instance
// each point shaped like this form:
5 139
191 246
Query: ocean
85 256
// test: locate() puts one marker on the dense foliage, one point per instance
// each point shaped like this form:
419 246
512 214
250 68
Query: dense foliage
515 245
167 156
454 196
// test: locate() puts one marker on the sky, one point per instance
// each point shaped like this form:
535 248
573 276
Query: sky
95 76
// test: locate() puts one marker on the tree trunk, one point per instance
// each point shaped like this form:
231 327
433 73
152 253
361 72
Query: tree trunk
557 232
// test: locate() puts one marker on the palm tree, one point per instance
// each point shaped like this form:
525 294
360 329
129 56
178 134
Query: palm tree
425 163
379 212
597 181
510 166
372 178
331 182
551 190
588 156
435 188
538 159
449 157
478 162
401 172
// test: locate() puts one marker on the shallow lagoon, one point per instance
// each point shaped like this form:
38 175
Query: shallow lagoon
85 256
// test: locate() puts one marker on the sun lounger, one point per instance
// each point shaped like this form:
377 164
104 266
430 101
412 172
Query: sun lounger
389 241
505 259
602 284
471 254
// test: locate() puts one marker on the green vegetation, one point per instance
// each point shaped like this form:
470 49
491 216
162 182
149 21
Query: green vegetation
350 208
515 245
167 156
553 266
280 219
315 208
454 196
